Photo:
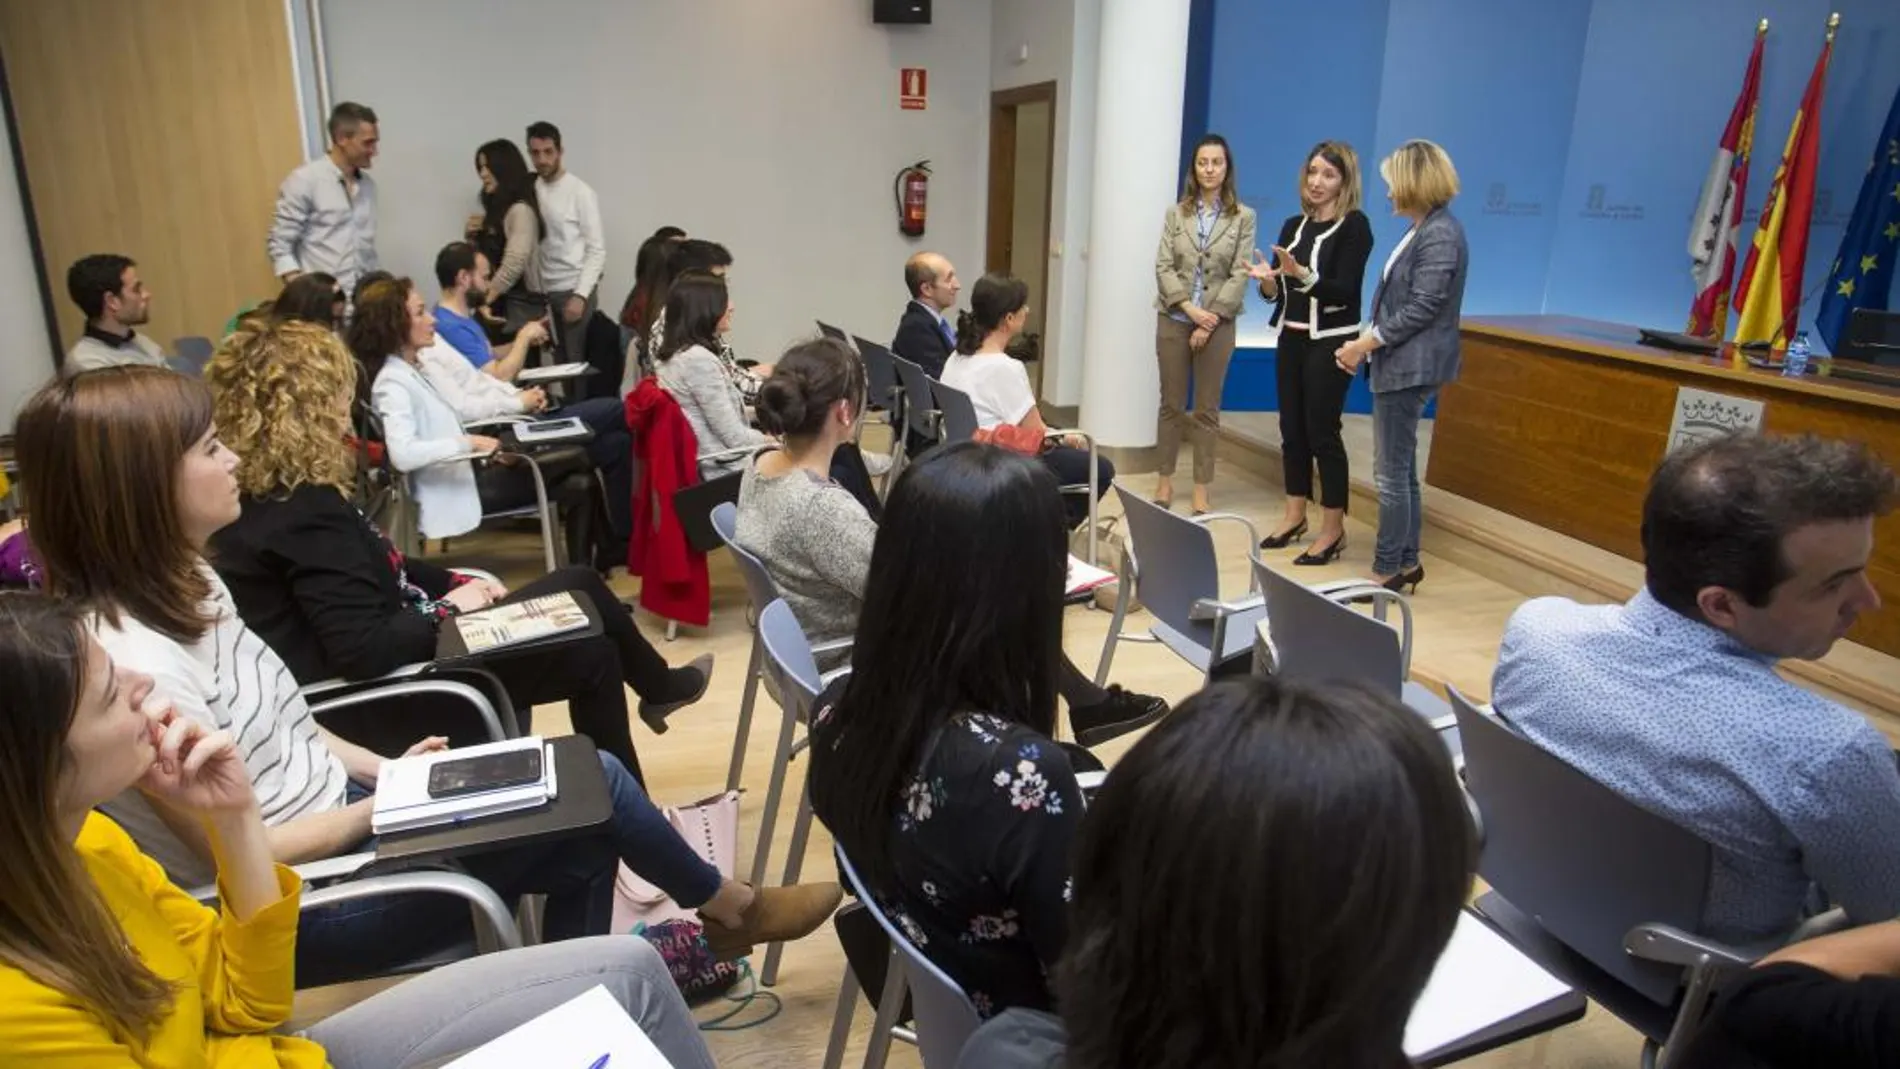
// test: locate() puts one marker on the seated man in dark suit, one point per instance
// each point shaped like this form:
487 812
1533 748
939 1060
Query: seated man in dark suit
925 336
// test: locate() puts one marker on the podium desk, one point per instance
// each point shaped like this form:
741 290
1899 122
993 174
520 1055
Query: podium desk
1559 421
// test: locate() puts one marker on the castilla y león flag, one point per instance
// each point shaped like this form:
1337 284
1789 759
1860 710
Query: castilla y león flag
1718 219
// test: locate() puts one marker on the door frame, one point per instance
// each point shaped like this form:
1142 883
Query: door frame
1002 181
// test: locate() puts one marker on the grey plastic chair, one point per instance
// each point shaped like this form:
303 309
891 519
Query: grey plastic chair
1601 892
190 354
945 1017
789 664
831 332
920 412
1319 637
884 391
1172 564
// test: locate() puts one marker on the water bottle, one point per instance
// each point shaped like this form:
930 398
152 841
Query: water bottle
1797 363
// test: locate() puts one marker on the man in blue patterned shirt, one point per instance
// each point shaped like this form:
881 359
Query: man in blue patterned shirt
1755 549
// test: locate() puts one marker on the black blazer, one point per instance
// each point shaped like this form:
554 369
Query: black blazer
1330 306
316 582
920 341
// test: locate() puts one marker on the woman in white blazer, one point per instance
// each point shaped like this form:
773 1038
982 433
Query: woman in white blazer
421 429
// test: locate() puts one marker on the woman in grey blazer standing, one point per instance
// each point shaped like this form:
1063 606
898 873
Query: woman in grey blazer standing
1411 345
1207 245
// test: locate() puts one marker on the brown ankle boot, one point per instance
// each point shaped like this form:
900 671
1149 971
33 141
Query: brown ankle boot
776 915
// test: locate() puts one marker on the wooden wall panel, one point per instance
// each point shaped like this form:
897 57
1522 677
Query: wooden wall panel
159 129
1553 424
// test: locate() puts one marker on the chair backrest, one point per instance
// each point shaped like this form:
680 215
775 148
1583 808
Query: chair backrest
1175 565
919 406
788 659
1318 640
959 412
759 586
880 373
1584 862
190 353
945 1015
831 332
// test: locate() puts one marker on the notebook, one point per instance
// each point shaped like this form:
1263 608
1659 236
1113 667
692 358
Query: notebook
532 375
549 430
1480 980
519 622
589 1031
403 802
1084 577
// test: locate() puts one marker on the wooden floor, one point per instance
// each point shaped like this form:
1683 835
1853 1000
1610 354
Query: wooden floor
1460 616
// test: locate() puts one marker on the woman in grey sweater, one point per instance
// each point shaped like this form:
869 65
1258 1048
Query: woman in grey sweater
815 537
698 313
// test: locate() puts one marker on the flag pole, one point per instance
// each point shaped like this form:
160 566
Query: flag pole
1792 319
1833 24
1761 28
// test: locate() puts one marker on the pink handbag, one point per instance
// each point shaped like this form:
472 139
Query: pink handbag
711 828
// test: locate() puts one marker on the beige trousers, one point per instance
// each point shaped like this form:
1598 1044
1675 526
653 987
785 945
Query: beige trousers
1209 372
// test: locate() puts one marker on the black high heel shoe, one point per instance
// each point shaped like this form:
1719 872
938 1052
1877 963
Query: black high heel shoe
1284 538
1325 556
1402 580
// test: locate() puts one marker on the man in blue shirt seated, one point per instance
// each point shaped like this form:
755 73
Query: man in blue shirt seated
461 269
1755 549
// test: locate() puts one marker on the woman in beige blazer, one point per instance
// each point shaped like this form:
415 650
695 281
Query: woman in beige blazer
1207 245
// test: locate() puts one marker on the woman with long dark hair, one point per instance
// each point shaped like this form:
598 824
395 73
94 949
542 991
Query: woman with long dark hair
687 366
1267 879
103 961
998 384
933 763
798 516
508 230
1207 243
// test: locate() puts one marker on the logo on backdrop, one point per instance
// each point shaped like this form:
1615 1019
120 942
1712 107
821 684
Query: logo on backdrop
1497 201
1701 415
1598 205
1828 211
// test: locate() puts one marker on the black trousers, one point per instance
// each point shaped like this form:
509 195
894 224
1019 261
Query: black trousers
1071 468
1312 395
591 675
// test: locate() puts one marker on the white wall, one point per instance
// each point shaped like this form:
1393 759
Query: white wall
771 127
26 351
1061 37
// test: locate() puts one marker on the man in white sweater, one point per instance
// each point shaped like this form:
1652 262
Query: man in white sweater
573 249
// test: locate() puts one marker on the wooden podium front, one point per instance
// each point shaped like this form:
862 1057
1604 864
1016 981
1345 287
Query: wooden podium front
1560 421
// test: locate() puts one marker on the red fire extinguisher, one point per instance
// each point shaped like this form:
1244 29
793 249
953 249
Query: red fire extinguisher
912 190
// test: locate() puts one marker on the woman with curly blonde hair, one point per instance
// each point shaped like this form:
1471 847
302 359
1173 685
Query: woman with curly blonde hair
333 597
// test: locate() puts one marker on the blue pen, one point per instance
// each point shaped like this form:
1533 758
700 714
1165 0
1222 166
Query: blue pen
600 1062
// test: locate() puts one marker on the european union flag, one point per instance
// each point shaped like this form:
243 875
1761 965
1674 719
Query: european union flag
1862 273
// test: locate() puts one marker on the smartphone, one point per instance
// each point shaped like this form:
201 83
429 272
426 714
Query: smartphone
488 772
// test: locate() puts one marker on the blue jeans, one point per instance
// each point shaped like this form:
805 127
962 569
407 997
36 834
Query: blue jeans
372 936
1395 417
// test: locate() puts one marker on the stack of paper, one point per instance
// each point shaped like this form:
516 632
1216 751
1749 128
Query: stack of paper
403 802
1481 980
1084 577
582 1033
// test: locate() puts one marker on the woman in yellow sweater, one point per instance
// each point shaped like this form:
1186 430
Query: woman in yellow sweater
103 962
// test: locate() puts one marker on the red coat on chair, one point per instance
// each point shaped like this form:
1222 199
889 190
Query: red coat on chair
674 582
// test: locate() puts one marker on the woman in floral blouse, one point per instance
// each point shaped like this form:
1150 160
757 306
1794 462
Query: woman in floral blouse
933 764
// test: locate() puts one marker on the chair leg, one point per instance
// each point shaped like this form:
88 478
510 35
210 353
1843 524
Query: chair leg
1114 631
672 630
889 1005
744 736
768 820
841 1021
794 863
1093 502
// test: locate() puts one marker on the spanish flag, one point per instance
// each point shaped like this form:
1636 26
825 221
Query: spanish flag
1769 295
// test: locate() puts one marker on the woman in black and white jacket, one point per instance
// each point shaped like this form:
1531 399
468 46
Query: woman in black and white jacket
1315 279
